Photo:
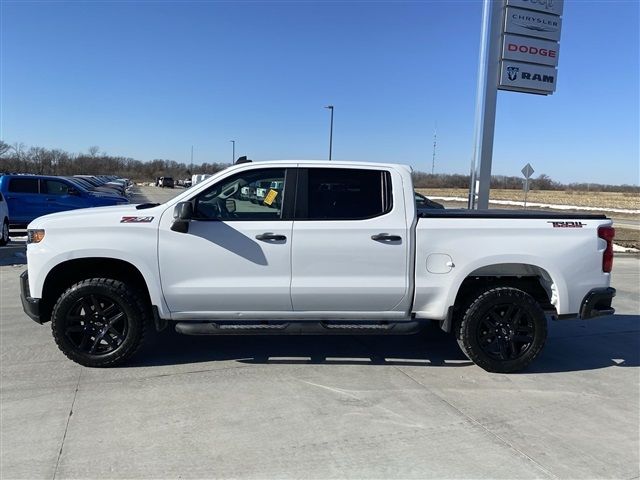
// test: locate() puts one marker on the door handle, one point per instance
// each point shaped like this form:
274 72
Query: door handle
385 237
268 236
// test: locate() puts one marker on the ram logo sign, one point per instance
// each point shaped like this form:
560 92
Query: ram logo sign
527 77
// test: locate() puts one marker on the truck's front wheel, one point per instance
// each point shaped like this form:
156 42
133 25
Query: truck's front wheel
99 322
503 330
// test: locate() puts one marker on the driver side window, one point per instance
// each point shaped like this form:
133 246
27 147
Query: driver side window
250 195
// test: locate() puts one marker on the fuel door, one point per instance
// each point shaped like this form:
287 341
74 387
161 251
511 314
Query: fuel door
439 263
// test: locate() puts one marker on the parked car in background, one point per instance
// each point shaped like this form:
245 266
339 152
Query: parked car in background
166 182
31 196
119 186
424 202
4 218
98 191
198 177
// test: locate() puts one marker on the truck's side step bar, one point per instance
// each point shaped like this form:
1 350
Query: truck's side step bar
299 328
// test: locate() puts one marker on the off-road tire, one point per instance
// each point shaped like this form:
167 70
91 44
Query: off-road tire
124 297
4 234
484 308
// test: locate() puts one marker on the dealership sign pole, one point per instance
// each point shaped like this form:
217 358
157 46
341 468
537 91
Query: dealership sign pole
519 52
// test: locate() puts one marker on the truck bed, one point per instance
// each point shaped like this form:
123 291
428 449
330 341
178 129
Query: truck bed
562 249
465 213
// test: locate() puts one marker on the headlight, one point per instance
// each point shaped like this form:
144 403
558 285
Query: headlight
35 235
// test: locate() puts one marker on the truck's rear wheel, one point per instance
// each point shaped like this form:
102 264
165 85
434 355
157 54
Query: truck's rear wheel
99 322
503 330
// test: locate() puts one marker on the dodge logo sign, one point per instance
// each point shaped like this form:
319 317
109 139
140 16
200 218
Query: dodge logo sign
530 50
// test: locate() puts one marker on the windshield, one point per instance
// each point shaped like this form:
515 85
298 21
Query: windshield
78 185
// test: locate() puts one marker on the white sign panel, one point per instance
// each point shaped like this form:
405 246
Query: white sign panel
527 170
526 77
524 49
547 6
534 24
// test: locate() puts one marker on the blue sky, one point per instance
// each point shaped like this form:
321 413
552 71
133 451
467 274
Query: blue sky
150 79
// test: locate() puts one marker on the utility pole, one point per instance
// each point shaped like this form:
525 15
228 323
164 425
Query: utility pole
330 107
191 170
433 159
233 151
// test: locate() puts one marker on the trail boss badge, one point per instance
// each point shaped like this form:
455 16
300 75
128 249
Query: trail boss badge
568 224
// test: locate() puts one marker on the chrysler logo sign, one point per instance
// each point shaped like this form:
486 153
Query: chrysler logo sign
533 24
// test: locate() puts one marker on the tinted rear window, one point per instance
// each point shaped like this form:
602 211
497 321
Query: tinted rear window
23 185
347 194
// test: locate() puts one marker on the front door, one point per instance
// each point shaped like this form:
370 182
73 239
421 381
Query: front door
351 242
235 260
60 196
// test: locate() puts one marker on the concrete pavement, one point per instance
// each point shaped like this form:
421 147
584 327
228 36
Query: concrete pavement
323 407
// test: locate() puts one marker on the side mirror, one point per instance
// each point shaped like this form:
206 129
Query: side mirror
73 191
182 215
230 205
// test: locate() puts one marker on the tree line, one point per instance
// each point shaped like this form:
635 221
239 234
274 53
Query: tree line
541 182
42 161
17 158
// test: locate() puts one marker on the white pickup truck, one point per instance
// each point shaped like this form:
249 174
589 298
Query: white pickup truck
344 251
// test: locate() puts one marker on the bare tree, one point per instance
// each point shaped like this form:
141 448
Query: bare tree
4 148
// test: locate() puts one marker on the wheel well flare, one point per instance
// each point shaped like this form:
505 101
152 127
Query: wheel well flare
65 274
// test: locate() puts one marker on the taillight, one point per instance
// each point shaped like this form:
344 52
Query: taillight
607 234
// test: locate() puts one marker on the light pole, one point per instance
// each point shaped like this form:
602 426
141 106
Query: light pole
233 152
330 107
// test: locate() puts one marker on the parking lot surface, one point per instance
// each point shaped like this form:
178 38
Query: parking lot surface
322 406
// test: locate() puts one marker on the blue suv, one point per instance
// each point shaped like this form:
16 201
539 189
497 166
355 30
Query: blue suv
31 196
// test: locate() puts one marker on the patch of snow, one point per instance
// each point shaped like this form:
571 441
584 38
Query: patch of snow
621 249
543 205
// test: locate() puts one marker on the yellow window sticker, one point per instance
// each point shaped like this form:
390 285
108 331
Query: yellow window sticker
270 197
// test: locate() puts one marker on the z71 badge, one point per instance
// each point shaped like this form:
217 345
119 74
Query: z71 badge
568 224
136 219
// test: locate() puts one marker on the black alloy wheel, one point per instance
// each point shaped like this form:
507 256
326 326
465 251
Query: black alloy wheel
505 332
96 325
99 322
502 329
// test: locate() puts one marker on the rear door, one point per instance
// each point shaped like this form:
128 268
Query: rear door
24 200
350 248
